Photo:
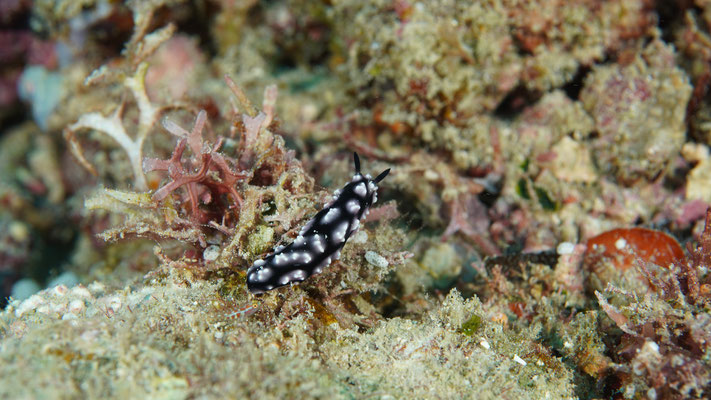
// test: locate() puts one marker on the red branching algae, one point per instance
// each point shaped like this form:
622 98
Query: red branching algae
206 175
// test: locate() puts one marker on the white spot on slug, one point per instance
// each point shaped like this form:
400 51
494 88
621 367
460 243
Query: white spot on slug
297 275
339 235
299 241
262 275
305 258
361 190
330 216
280 259
353 206
318 243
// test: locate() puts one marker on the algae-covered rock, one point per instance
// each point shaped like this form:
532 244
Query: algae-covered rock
639 111
169 339
437 69
441 357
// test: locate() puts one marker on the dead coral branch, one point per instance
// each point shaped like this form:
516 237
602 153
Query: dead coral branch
132 76
113 127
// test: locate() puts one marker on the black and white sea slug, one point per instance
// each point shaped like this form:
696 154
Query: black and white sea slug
321 239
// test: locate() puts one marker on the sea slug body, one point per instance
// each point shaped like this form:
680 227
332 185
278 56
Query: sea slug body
321 239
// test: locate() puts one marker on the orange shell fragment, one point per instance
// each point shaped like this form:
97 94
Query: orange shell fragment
623 245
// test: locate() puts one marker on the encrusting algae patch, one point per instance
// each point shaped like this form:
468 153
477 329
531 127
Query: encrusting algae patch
542 232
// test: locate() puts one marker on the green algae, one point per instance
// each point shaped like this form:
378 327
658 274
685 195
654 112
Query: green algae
471 326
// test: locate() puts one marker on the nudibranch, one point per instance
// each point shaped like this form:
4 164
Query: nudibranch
321 239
